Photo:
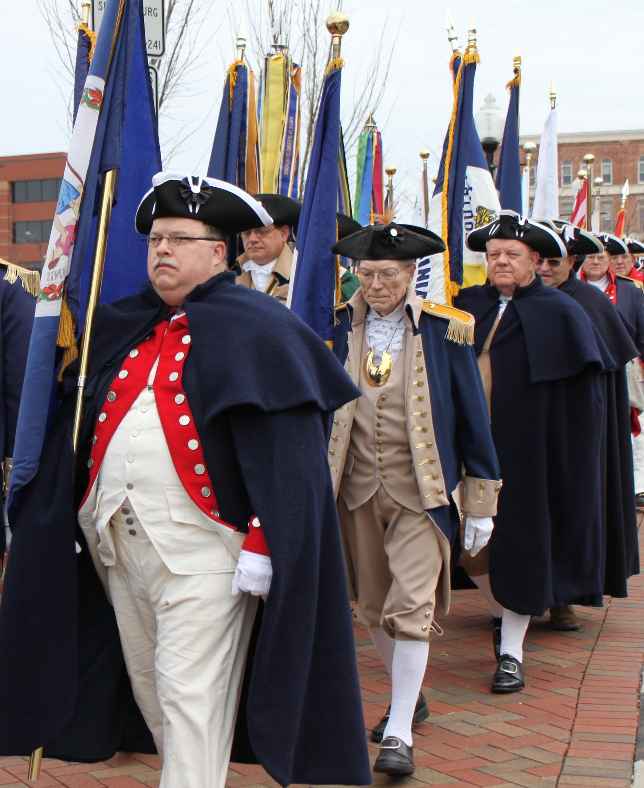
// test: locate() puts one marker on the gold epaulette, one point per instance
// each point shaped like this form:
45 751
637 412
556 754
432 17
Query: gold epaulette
460 328
30 280
630 279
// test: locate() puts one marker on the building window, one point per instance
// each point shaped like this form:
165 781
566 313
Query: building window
566 205
606 215
36 232
607 170
640 170
566 173
36 191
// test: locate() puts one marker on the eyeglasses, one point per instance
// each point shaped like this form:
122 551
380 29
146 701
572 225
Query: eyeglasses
388 275
553 262
177 240
261 232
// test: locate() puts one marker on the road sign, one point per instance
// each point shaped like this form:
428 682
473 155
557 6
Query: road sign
154 80
154 18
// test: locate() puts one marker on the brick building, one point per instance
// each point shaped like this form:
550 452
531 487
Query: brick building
28 193
618 155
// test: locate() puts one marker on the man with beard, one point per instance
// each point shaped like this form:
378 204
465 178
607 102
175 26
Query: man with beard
621 548
541 367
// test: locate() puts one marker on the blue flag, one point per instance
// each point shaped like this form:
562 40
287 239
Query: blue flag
83 57
464 197
115 128
234 155
314 284
508 175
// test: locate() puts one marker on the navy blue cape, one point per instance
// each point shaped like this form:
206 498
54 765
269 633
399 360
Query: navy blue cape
621 545
547 404
261 386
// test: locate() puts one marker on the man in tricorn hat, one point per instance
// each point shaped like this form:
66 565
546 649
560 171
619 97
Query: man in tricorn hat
398 455
184 524
620 529
541 368
626 264
268 258
626 294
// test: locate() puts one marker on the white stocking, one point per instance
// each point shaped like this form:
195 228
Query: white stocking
407 673
513 631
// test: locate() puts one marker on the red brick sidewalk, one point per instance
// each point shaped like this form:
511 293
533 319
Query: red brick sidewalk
574 725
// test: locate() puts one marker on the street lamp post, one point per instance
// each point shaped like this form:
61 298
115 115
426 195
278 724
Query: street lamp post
529 148
490 121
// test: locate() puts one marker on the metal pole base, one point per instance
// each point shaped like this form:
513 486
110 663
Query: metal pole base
35 762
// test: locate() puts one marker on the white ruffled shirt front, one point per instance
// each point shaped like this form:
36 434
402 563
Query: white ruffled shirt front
260 274
386 332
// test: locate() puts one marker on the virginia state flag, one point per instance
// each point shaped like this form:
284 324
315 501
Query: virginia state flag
508 174
84 52
464 198
115 128
313 287
235 152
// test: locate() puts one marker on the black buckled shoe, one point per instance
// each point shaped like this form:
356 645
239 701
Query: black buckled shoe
496 637
395 758
508 676
421 713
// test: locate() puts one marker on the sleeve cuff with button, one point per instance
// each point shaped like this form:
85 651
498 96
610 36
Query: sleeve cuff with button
255 542
480 496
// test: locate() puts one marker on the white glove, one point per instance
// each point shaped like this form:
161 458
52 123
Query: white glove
478 531
253 574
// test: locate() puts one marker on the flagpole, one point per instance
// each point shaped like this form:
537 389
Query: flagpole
391 171
424 155
588 161
337 24
35 759
105 212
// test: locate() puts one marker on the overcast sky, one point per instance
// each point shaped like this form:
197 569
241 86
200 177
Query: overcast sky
591 51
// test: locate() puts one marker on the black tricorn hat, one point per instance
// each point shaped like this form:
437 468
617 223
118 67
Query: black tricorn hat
389 242
577 241
634 246
347 226
283 210
509 226
209 200
612 244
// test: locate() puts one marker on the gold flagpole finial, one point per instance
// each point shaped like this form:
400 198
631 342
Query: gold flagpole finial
582 175
471 40
240 43
370 125
516 65
451 32
337 24
85 12
552 95
424 155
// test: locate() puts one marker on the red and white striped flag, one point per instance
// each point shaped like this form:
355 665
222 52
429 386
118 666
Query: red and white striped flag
579 215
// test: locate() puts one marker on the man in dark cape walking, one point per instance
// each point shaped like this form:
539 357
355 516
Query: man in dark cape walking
621 547
238 412
541 367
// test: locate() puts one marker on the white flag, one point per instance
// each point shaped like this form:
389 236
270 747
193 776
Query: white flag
546 198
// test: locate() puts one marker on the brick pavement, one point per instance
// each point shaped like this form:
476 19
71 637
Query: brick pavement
575 724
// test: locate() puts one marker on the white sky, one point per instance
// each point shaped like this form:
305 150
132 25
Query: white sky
592 51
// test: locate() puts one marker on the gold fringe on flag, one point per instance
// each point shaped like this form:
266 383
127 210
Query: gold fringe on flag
30 280
66 338
91 35
448 161
335 64
232 76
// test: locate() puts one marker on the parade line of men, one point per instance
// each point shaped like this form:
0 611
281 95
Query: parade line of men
183 583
